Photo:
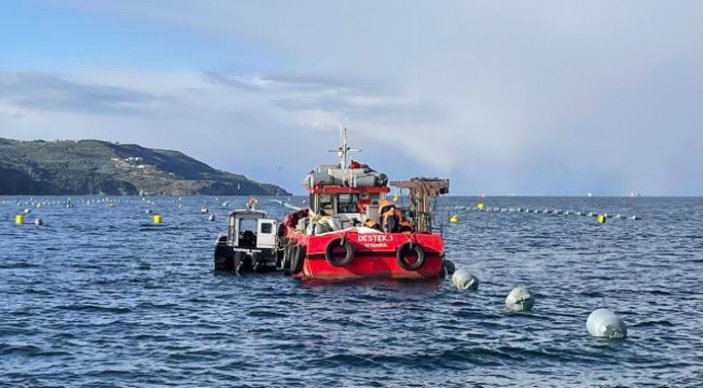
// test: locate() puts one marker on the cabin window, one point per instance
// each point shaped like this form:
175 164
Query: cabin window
348 203
266 228
247 233
326 204
247 224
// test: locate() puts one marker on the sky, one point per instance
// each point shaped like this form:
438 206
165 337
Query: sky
502 97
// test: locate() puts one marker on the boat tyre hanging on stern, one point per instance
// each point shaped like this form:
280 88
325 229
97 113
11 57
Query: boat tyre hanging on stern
224 260
408 250
257 262
281 244
333 258
288 256
298 257
242 262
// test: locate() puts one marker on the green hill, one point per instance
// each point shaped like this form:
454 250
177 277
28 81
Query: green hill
98 167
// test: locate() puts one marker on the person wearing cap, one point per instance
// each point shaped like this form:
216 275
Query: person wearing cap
390 216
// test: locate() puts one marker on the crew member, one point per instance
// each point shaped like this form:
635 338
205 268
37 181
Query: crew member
390 216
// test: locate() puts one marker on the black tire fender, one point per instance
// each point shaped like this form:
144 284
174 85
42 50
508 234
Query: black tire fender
449 267
348 252
242 262
223 255
288 252
257 261
401 255
224 263
297 258
281 244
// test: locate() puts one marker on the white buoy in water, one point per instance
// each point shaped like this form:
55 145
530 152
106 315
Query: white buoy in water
38 222
148 211
211 218
464 280
520 299
604 323
204 210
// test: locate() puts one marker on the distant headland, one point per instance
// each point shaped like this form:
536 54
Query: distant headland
98 167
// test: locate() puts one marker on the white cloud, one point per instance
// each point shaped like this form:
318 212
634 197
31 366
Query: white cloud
235 121
498 95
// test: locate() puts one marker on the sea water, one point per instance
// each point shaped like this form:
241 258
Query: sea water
99 296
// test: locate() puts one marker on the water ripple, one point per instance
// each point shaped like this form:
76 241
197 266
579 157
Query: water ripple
102 297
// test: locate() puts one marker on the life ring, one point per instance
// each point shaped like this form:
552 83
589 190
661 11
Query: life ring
297 259
330 254
406 249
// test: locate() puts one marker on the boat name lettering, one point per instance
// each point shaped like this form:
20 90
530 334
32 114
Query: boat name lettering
375 245
374 238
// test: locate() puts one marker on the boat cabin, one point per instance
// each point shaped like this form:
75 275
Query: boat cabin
251 230
346 205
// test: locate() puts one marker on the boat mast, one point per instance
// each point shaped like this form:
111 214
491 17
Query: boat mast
344 148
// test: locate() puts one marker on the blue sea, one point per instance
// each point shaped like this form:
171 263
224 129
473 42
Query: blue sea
101 297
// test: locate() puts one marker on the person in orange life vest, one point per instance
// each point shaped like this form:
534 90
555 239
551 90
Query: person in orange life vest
391 217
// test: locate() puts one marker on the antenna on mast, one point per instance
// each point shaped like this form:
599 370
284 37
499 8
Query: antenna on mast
344 147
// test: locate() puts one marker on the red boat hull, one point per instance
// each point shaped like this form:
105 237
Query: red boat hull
375 255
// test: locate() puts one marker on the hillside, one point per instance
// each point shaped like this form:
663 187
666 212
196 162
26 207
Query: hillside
98 167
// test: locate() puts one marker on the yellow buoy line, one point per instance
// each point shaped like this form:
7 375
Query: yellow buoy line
33 203
26 206
452 217
601 218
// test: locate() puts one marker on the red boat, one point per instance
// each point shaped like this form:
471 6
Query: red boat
351 230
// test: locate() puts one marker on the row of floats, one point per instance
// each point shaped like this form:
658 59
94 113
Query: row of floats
601 217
